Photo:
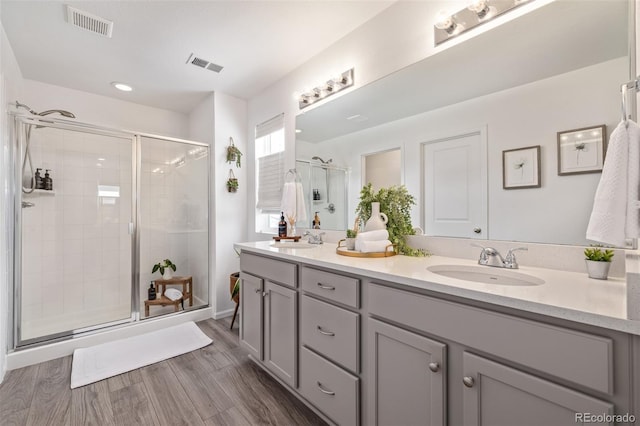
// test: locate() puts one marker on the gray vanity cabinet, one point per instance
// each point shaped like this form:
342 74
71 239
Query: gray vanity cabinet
495 394
280 331
407 377
268 326
251 308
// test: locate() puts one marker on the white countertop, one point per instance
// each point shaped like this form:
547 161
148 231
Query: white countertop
567 295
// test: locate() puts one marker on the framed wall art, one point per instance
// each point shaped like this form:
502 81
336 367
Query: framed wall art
581 150
521 168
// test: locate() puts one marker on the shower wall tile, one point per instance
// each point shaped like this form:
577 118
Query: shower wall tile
72 232
73 217
70 187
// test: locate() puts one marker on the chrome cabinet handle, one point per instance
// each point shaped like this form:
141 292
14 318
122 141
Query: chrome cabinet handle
258 290
326 287
434 366
477 230
468 381
326 333
328 392
265 294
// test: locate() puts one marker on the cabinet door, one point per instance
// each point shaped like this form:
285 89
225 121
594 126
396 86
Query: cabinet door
495 394
251 314
280 331
406 377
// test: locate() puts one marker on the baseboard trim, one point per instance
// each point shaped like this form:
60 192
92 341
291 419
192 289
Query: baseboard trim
26 357
223 314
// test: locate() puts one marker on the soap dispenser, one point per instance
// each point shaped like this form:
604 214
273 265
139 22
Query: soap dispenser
152 291
47 181
316 221
282 226
38 180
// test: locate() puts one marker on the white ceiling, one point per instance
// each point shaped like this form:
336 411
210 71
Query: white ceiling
257 42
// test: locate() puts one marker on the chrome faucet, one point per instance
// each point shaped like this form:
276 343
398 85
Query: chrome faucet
492 257
314 238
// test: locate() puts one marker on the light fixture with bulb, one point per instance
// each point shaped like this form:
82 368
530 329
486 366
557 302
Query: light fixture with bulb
121 86
476 13
334 85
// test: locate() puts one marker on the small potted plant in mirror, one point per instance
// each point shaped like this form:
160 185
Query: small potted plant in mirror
598 262
166 268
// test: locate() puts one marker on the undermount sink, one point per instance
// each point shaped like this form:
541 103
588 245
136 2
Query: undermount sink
486 275
294 245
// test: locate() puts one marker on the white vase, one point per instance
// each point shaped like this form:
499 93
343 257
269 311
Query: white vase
597 270
168 273
377 220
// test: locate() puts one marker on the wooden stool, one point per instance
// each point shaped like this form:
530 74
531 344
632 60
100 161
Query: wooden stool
162 300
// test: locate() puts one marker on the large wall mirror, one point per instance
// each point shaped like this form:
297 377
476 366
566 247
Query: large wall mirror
556 68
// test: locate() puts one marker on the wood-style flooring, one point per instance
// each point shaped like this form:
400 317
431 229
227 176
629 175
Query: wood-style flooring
216 385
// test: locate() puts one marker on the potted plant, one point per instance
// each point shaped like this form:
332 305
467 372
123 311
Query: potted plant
396 203
232 184
598 262
233 153
351 239
166 268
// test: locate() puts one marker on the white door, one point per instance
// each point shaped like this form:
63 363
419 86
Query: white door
455 186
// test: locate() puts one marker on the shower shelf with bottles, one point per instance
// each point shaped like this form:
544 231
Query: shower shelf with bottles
38 192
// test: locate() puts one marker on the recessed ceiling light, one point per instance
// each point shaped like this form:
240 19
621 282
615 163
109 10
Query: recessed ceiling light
298 131
122 86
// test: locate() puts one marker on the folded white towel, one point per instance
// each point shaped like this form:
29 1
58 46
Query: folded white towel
372 246
615 214
173 294
381 234
292 203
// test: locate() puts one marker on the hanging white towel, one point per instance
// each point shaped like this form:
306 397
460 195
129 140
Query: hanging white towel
615 216
380 234
293 204
372 246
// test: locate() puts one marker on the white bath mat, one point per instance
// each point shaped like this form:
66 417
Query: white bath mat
110 359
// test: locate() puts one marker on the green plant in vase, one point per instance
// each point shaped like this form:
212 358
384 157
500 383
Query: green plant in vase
396 203
164 265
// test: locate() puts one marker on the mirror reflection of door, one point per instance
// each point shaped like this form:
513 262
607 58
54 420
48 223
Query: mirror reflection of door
382 169
455 182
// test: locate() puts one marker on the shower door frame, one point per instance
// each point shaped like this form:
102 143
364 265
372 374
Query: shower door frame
16 182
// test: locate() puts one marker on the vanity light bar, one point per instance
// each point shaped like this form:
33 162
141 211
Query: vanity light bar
332 86
479 12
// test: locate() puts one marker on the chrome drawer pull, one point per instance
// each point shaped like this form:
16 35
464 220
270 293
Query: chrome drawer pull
323 390
258 290
326 333
326 287
468 381
434 366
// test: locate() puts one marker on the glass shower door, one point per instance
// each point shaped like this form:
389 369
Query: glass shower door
174 222
75 240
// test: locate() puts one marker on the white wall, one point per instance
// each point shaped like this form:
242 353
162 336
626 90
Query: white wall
523 116
399 36
10 89
230 209
105 111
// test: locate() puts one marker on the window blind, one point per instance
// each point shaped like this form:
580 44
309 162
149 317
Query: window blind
270 181
270 126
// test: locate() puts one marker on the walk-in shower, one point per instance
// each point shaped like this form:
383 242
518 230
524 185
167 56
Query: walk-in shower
120 202
325 187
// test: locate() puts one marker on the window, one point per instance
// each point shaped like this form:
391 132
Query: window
269 173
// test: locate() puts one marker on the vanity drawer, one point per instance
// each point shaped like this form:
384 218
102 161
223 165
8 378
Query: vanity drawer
331 286
331 331
329 388
568 354
271 269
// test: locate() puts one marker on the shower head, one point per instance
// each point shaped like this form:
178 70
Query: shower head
321 160
59 111
47 112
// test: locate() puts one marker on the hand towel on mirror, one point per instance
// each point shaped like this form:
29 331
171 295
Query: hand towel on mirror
292 203
615 216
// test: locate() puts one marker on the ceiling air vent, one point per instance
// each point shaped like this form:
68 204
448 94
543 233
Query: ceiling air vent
203 63
89 22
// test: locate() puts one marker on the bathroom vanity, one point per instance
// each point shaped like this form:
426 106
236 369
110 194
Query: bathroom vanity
388 341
